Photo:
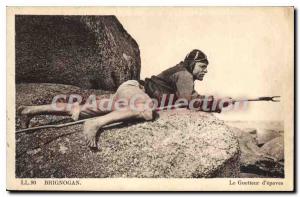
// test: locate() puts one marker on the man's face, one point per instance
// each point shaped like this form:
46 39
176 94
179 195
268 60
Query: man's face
200 70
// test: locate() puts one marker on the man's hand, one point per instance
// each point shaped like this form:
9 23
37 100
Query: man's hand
211 104
216 105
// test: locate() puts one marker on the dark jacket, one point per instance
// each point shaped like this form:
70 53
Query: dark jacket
177 80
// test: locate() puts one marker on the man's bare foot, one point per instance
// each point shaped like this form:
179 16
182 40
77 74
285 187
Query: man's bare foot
90 129
75 111
25 118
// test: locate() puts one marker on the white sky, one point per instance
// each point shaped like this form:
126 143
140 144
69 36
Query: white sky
248 50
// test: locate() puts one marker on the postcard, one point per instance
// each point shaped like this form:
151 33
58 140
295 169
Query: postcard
150 99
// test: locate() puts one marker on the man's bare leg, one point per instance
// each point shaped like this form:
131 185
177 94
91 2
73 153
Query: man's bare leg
61 109
91 127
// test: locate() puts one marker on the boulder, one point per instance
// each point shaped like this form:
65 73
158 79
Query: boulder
180 143
265 135
249 149
274 149
43 93
259 162
252 132
85 51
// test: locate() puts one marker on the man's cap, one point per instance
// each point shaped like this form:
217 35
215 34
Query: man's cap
196 55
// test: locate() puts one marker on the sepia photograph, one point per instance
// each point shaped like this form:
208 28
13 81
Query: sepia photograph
150 98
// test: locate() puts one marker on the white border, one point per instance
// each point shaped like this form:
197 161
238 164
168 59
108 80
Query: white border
103 3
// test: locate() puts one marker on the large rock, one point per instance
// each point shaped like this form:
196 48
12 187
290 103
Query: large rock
43 93
177 144
262 131
266 135
266 161
274 148
249 150
86 51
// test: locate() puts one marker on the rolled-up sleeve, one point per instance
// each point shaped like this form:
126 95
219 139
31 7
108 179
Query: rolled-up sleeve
184 84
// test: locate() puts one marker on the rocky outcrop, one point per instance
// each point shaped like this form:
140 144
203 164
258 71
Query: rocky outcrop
256 161
43 93
86 51
266 135
178 144
274 148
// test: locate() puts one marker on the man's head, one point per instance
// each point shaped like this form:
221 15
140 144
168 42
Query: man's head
196 62
200 69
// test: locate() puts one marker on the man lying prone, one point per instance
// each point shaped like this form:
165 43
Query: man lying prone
138 99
